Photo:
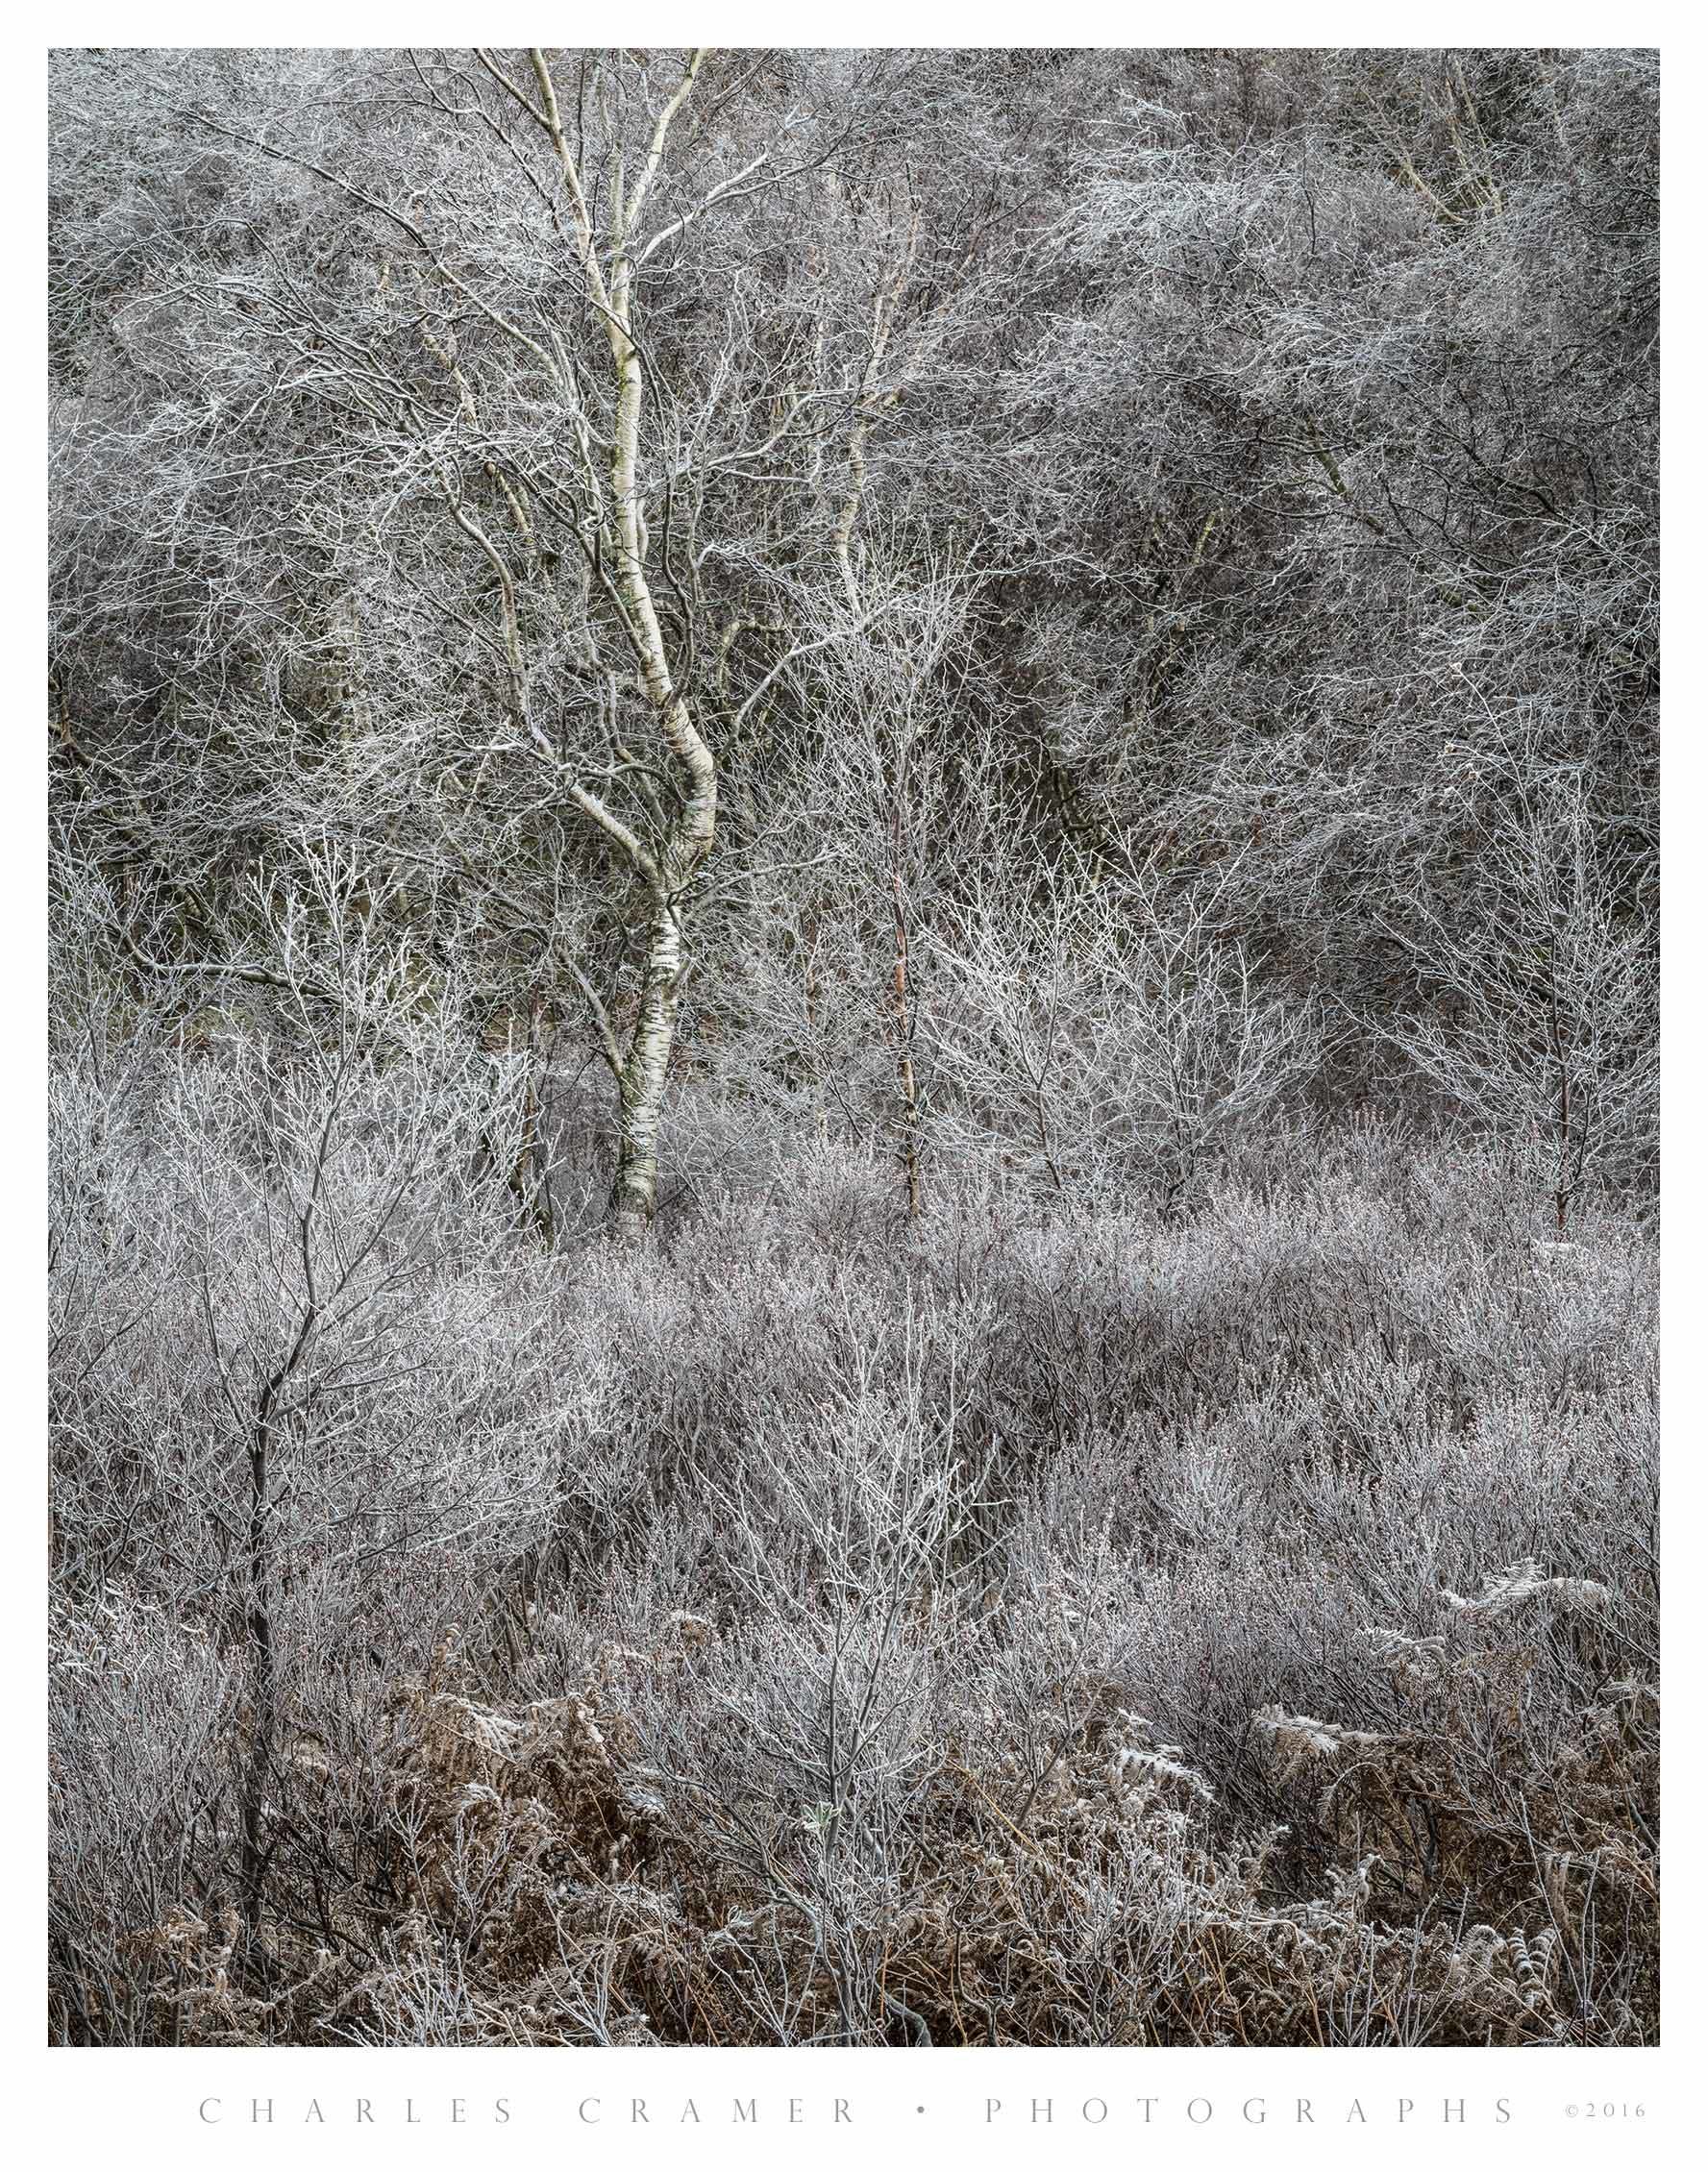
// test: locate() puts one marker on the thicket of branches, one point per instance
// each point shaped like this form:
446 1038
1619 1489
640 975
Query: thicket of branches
853 1046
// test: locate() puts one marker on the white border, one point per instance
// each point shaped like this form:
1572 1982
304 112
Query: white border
144 2108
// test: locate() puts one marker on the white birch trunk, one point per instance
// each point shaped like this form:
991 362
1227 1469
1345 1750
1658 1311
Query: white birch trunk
691 831
644 1077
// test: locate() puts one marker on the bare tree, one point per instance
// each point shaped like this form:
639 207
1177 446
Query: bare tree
1103 1034
540 483
1541 1024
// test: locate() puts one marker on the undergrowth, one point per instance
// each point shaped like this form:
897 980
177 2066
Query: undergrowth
1029 1626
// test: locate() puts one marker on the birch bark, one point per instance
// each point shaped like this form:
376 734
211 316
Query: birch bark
689 831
